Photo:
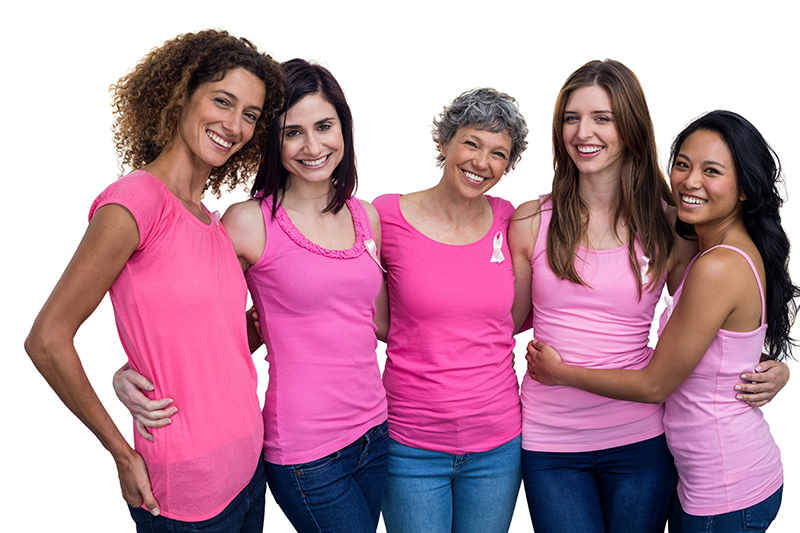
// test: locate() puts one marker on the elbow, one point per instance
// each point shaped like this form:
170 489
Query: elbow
655 394
40 346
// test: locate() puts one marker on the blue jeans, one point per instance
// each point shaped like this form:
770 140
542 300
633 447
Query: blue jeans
245 513
755 518
623 489
443 492
341 492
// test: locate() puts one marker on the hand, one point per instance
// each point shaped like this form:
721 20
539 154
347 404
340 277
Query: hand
135 483
762 385
256 323
543 361
128 385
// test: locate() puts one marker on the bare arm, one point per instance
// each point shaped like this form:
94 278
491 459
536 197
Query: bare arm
110 239
382 302
712 299
522 233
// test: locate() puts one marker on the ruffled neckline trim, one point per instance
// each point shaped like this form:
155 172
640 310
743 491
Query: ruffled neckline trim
298 238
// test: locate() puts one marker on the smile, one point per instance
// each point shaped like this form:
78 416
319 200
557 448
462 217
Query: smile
694 200
474 177
218 140
584 149
315 162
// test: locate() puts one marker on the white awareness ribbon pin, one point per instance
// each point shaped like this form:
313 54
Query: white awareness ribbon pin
372 250
644 264
215 217
497 248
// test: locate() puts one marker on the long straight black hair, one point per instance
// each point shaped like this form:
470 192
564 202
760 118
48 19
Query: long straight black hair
758 171
304 78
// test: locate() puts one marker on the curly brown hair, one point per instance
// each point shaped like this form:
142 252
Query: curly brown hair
147 100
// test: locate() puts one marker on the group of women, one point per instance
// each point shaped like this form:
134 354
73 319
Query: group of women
446 277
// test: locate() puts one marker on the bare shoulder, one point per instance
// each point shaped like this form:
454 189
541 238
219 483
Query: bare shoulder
524 226
371 211
244 223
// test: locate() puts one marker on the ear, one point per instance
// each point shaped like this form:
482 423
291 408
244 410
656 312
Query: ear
742 196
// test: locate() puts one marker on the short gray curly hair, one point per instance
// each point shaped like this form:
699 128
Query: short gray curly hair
484 109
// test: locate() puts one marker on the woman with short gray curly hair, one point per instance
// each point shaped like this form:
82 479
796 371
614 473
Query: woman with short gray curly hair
454 414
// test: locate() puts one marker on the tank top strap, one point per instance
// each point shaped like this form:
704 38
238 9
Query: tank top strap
752 267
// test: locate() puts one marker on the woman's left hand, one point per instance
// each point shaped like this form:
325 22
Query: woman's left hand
762 385
543 361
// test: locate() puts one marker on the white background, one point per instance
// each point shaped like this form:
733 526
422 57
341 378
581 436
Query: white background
399 64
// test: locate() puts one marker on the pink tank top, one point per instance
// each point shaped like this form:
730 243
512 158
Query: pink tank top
724 452
317 308
602 324
449 379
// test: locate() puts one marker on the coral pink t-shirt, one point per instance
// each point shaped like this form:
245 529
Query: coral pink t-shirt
602 324
449 375
317 308
180 306
724 452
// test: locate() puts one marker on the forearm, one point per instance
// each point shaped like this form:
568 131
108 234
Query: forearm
59 364
629 385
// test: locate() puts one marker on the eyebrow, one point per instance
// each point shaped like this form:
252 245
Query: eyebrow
317 123
599 112
706 162
235 98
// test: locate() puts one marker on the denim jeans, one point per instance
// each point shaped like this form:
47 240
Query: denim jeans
623 489
754 518
341 492
245 513
439 492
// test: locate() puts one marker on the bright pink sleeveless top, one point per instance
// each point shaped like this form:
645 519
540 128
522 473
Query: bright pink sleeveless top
449 379
317 308
180 305
602 324
724 452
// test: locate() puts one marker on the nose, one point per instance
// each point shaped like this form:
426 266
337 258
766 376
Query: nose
692 180
233 124
584 130
481 160
312 144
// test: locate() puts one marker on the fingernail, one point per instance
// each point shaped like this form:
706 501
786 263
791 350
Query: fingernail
156 511
173 411
759 368
739 397
743 376
737 387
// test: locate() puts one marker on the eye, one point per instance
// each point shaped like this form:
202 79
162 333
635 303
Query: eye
501 155
471 144
291 133
221 101
681 165
712 170
602 118
324 127
569 119
251 117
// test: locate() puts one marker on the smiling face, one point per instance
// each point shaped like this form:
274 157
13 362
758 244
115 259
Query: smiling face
704 182
220 117
590 134
313 144
475 160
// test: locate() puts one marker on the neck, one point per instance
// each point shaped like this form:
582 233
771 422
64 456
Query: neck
186 178
599 193
301 195
720 232
453 205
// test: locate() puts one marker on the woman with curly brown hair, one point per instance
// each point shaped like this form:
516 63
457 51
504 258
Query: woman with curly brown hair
185 118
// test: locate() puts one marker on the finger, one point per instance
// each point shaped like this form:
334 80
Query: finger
758 377
143 431
154 419
755 400
754 388
137 379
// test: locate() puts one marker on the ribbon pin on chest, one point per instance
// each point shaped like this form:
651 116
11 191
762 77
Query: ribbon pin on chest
497 248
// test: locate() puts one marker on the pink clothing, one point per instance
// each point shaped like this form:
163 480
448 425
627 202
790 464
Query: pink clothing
317 308
180 306
449 378
602 324
724 452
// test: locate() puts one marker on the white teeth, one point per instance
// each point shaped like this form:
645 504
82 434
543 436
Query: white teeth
315 162
474 177
589 149
219 140
692 200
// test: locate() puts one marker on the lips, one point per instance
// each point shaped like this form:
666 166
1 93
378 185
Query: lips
474 177
315 162
219 140
588 149
692 200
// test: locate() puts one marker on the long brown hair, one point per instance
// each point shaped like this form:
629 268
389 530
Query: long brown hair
643 185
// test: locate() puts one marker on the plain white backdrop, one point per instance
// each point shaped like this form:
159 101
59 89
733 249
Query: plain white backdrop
399 64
